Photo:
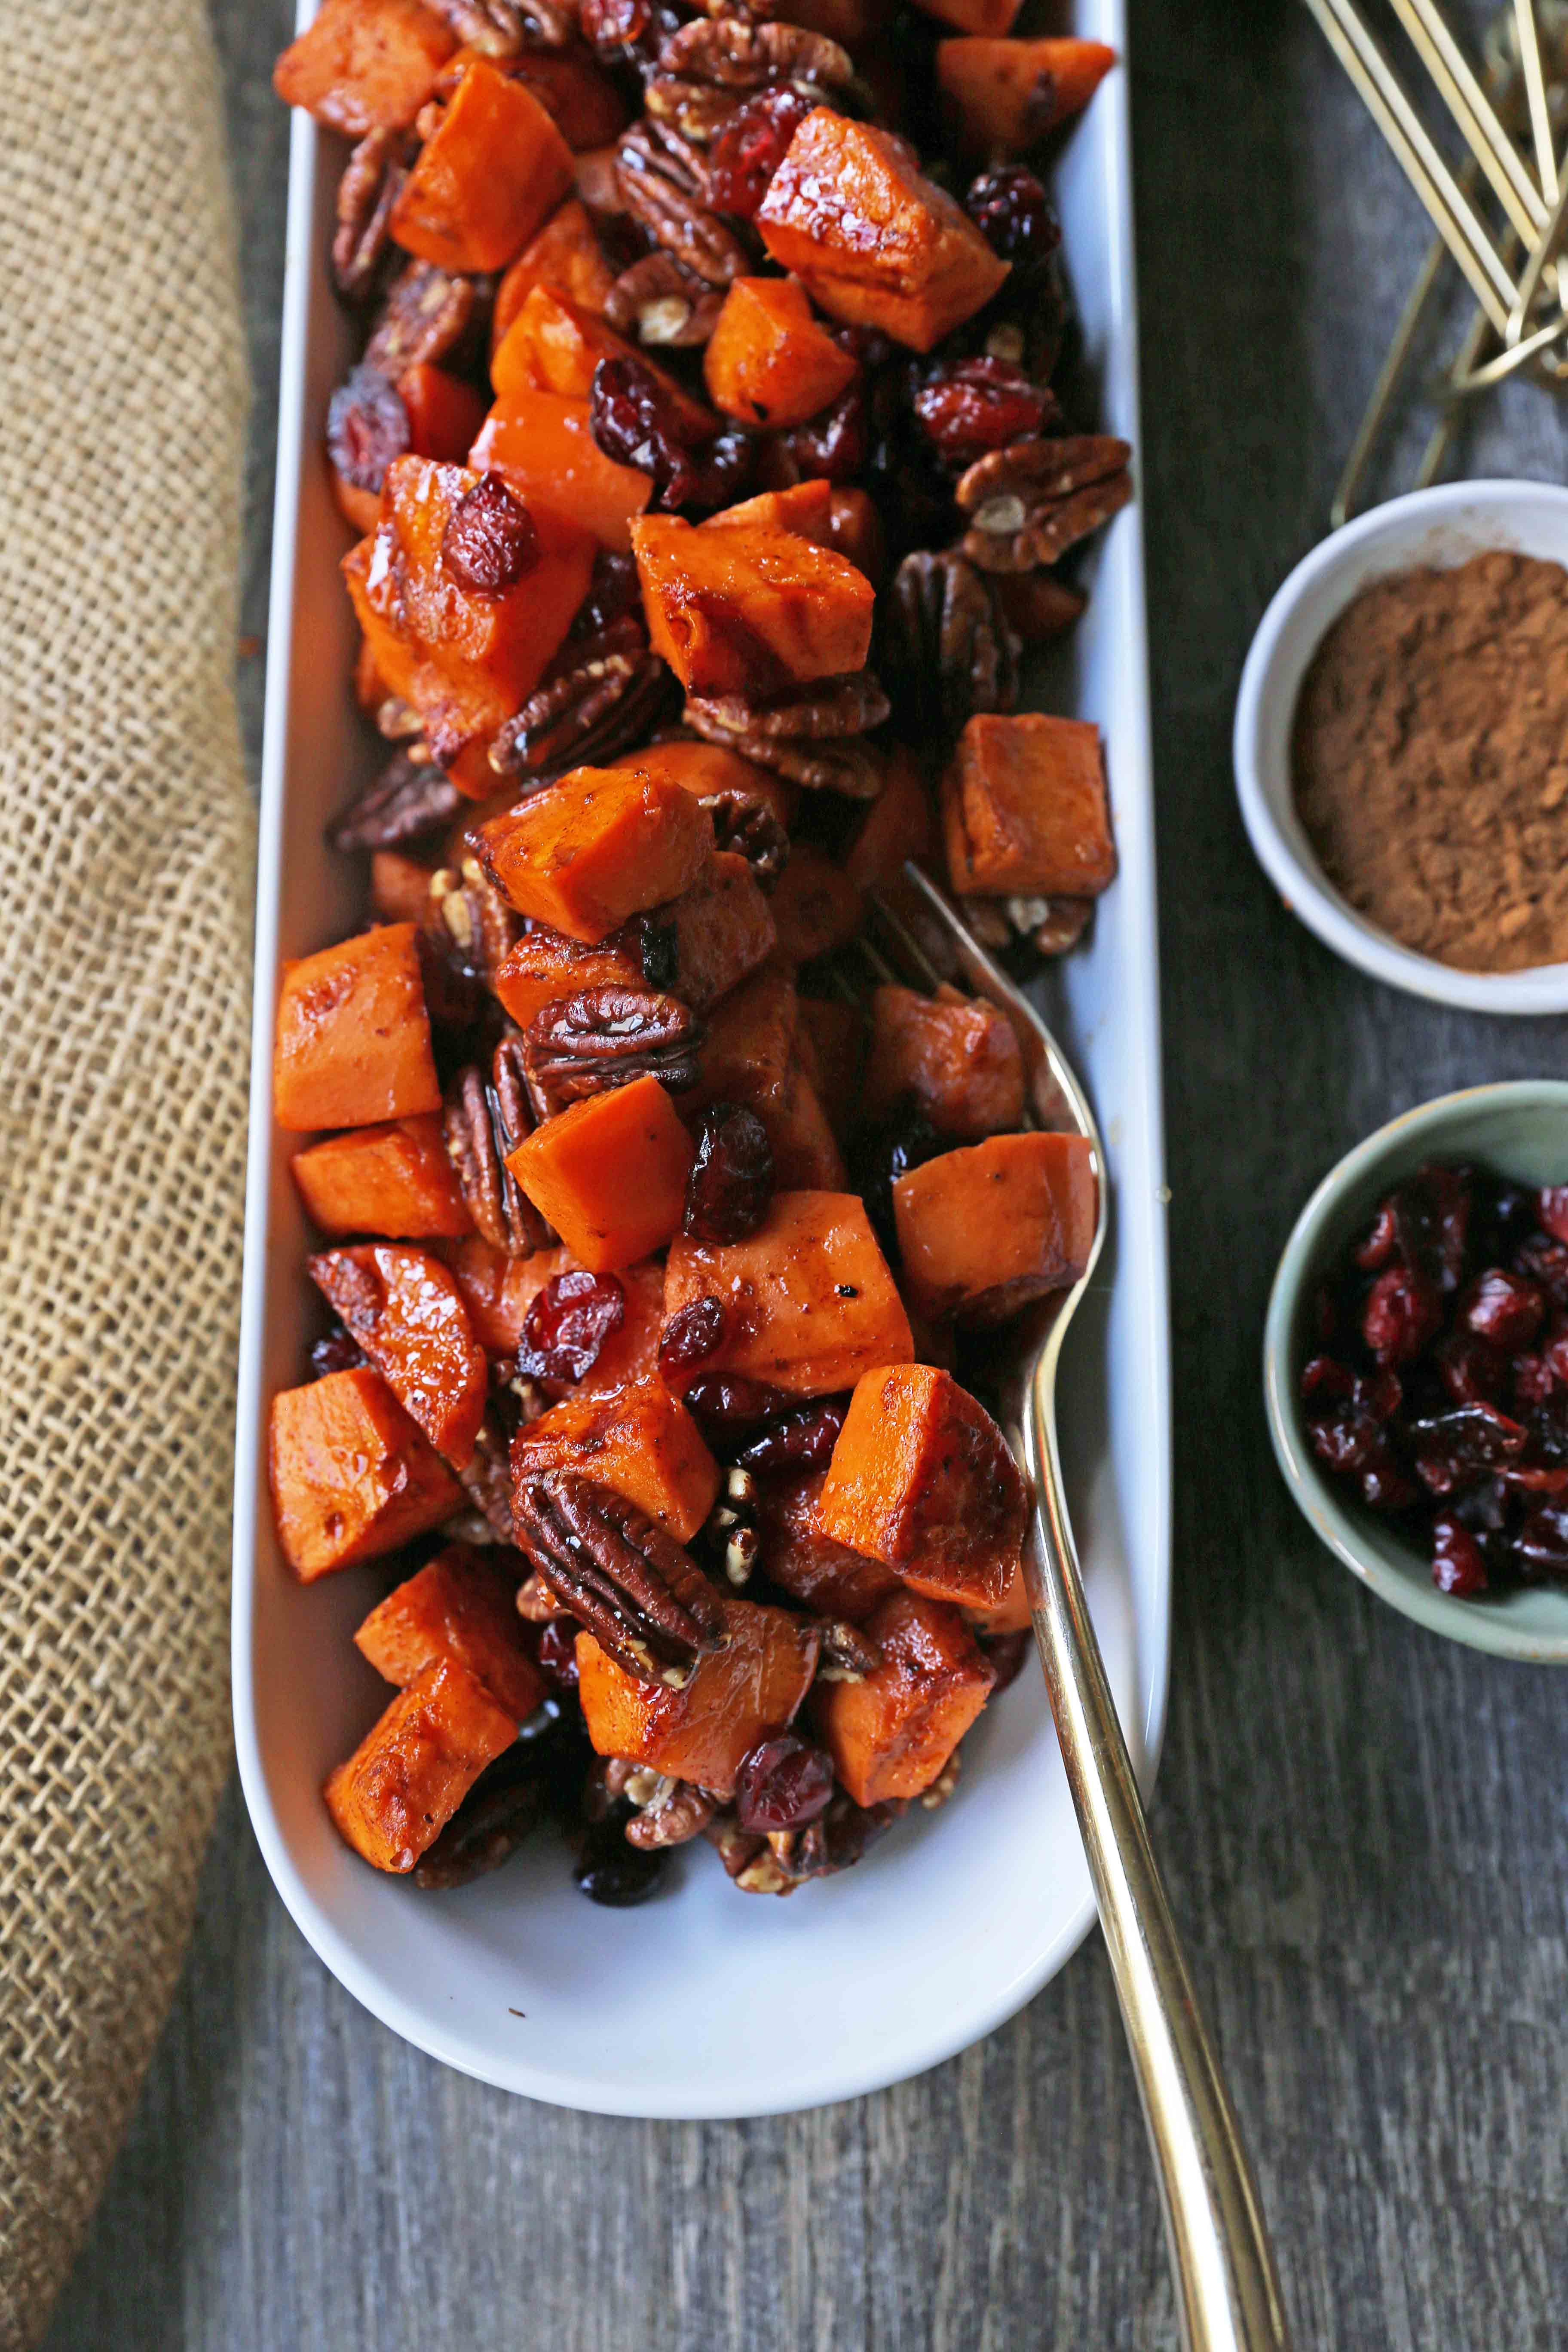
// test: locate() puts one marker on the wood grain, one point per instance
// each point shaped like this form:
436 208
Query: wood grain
1363 1827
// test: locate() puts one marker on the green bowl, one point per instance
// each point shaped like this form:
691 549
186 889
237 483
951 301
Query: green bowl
1520 1131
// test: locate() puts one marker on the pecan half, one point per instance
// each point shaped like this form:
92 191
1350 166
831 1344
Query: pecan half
1028 504
847 766
677 1811
500 28
487 1479
708 67
746 825
465 934
664 193
605 1037
372 182
660 303
486 1118
504 1804
832 706
608 693
730 1536
846 1655
397 721
736 1848
407 802
425 316
623 1578
946 644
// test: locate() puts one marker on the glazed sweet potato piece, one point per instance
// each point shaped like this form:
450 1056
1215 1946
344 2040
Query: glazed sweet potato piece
809 1304
701 1731
816 905
753 1056
710 772
960 1059
394 1180
639 1440
497 1291
768 361
982 1231
719 931
1000 97
565 254
443 415
600 845
890 1735
354 1037
460 1606
824 1577
365 65
804 508
749 611
408 1315
875 243
899 824
544 446
554 345
577 94
546 966
405 1780
921 1480
1024 808
489 176
609 1173
352 1477
627 1357
399 886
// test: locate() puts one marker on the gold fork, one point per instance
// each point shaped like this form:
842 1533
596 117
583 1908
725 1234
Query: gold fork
1227 2290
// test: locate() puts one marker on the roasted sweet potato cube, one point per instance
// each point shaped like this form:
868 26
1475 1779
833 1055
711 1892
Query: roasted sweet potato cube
817 906
554 345
960 1059
1001 97
921 1478
463 1607
809 1303
353 1036
546 966
489 176
405 1780
351 1477
576 94
700 1733
565 254
443 415
747 610
1011 1614
804 508
609 1173
720 929
875 243
399 886
824 1577
890 1735
407 1314
982 1231
1024 808
711 772
900 823
365 65
600 845
638 1440
750 1046
544 446
806 1157
497 1291
768 361
394 1180
629 1355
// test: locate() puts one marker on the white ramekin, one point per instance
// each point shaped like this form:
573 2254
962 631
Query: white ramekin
1443 527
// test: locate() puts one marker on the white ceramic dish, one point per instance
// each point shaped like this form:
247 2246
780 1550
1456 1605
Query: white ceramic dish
704 2002
1442 527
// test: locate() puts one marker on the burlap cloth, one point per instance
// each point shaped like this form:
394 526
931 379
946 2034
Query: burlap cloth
126 845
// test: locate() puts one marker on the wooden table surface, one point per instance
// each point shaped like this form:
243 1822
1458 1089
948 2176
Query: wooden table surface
1364 1828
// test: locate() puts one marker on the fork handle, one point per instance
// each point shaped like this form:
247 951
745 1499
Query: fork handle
1227 2289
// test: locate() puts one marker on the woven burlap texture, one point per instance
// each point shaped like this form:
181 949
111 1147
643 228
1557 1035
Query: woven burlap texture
126 850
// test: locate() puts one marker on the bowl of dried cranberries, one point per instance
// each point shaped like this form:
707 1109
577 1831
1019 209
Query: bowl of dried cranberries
1415 1366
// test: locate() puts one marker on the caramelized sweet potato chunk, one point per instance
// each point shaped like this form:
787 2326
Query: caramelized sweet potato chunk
628 1355
921 1480
824 1577
489 176
1001 97
545 965
544 446
816 905
353 1036
1024 808
806 508
747 610
890 1735
809 1301
407 1314
460 1606
875 243
960 1059
565 254
351 1477
600 845
753 1685
707 769
365 65
982 1231
638 1440
768 361
899 824
394 1180
497 1291
554 345
752 1055
720 929
609 1173
405 1780
444 415
399 887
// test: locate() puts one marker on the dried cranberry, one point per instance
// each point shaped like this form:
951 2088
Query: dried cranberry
904 1140
1552 1208
692 1337
1541 1547
1471 1370
1502 1308
832 448
1432 1214
1385 1488
489 542
613 1873
1533 1379
732 1179
1544 1262
635 421
1379 1244
1006 1652
971 407
1554 1354
782 1783
1010 208
727 1402
557 1653
614 592
1458 1565
567 1324
751 147
367 427
802 1441
1403 1315
1453 1447
336 1352
724 470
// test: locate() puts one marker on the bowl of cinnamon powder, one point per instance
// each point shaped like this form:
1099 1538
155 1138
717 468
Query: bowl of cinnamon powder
1402 744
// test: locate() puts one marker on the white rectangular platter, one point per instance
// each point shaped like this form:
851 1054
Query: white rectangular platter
705 2003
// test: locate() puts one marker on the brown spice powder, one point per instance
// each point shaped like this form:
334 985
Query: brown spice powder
1430 759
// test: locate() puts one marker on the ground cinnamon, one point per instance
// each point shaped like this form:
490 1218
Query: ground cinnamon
1430 761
